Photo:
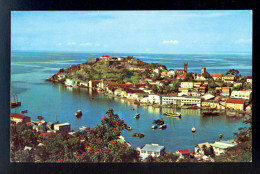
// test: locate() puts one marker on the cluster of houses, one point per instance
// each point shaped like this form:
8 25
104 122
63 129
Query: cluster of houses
202 151
192 93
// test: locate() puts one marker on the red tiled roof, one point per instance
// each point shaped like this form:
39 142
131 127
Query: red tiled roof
180 76
18 116
184 152
105 56
249 77
225 88
44 134
236 101
216 75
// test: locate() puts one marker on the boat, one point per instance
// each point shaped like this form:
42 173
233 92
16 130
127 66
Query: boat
40 117
220 136
78 114
158 122
24 111
137 116
231 115
185 107
172 114
82 128
128 128
193 128
154 127
139 135
209 113
163 126
15 103
132 109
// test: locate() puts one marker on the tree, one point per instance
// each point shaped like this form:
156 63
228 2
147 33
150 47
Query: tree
233 72
206 75
212 85
188 77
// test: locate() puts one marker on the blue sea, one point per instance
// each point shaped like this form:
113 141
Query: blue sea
30 69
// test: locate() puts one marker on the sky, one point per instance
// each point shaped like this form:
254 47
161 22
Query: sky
173 31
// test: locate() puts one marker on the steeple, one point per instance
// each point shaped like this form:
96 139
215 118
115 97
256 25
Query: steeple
185 67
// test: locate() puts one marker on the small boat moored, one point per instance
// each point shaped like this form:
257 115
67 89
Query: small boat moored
220 136
78 114
172 114
154 127
139 135
137 116
128 128
159 121
132 109
163 126
24 111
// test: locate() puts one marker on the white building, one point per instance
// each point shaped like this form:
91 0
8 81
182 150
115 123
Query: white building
221 146
69 82
151 149
179 100
186 84
63 127
241 94
154 99
171 73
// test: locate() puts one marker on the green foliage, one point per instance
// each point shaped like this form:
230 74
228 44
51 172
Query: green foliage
188 77
99 144
233 72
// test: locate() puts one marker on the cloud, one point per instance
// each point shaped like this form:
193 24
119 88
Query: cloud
243 41
86 44
170 42
71 43
59 44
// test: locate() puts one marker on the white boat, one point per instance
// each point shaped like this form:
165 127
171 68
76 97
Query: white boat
154 127
193 128
162 126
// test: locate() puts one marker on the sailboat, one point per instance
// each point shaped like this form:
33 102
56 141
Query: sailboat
15 103
193 128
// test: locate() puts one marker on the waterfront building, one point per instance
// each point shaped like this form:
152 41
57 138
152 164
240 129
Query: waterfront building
69 82
220 147
17 118
249 79
93 83
180 100
216 77
212 104
83 83
154 99
235 104
151 149
203 89
63 127
241 95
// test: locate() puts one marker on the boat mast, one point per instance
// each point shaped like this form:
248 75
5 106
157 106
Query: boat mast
16 97
56 117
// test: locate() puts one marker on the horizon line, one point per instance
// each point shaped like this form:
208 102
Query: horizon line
125 52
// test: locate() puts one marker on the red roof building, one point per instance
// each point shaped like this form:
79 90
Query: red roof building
236 101
46 134
180 77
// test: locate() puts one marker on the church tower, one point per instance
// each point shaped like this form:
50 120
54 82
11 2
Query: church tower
185 67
